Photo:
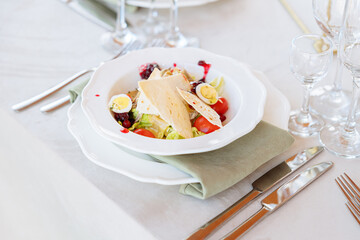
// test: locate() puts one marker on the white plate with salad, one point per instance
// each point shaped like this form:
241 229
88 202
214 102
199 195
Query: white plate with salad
142 167
173 101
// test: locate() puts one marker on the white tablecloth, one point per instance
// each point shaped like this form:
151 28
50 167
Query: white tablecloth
49 190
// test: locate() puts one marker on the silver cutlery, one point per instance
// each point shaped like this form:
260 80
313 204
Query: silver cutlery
352 193
261 185
66 99
55 104
280 196
24 104
94 11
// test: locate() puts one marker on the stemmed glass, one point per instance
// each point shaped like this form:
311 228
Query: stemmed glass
175 38
331 102
151 26
344 139
114 41
309 65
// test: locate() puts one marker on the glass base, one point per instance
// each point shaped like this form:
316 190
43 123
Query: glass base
179 41
329 104
337 141
114 42
152 27
305 125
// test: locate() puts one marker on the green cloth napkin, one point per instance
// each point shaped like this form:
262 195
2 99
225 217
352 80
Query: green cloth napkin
77 90
220 169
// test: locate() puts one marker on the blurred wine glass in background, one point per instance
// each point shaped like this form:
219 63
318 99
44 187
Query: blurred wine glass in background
331 102
114 41
175 38
343 139
152 25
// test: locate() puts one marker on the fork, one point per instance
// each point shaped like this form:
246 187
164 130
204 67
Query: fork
352 193
24 104
64 100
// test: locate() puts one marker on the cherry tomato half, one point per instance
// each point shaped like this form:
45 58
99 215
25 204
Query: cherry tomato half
144 132
203 125
221 106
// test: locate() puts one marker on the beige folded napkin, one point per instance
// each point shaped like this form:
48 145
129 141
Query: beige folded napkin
220 169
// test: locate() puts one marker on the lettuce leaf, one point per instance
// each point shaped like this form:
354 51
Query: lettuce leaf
172 134
196 132
152 123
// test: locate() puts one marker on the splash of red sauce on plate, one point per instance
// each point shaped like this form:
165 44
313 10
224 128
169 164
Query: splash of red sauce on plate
97 95
124 130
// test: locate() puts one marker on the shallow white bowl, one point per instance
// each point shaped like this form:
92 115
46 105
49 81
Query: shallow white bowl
245 93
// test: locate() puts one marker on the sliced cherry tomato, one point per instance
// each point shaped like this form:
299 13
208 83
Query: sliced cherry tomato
203 125
144 132
221 106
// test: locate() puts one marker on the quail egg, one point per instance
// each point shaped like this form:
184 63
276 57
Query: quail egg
120 103
207 93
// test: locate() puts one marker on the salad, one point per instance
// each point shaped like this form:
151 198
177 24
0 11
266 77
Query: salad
171 104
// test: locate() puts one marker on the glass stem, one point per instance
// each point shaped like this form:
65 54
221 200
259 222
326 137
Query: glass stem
174 29
339 71
351 122
121 26
152 11
305 104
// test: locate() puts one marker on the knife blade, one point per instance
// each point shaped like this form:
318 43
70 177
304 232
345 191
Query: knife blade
280 196
261 185
94 11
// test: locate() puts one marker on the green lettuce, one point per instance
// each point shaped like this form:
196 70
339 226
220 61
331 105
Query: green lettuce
170 133
196 132
174 135
152 123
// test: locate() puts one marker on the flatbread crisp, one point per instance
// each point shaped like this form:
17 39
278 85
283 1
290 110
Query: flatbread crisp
164 98
205 110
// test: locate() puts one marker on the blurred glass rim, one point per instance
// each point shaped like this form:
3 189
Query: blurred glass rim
322 45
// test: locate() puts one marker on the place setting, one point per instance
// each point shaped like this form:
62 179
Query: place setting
164 111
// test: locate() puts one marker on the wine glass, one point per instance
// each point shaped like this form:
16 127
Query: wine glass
309 65
344 139
175 38
151 26
114 41
331 102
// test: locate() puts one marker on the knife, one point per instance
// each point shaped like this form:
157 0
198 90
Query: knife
94 11
280 196
261 185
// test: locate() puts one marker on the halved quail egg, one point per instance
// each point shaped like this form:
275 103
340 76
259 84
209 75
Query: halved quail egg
207 93
120 103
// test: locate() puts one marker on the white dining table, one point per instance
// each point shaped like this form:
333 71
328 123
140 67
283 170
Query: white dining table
50 190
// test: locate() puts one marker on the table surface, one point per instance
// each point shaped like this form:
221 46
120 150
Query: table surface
49 190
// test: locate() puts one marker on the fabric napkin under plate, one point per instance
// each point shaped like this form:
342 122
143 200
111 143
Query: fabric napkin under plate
220 169
77 90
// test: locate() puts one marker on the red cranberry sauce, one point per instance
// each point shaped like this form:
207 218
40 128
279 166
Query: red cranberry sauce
145 70
206 67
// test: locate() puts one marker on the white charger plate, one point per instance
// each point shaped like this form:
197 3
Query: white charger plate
159 3
167 3
244 92
142 167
